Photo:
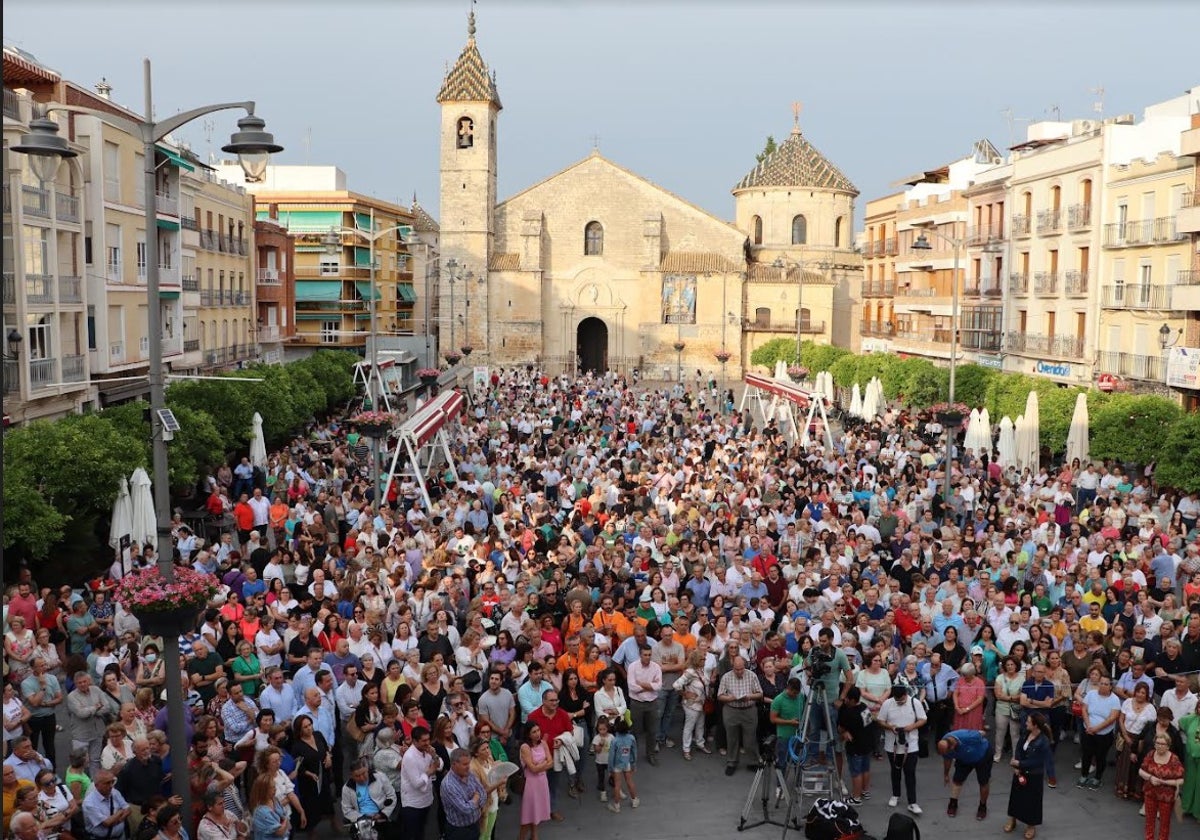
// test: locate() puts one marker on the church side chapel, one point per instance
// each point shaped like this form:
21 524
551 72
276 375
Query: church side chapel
597 268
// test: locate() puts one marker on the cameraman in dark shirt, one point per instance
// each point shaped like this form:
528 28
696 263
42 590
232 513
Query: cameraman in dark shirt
859 734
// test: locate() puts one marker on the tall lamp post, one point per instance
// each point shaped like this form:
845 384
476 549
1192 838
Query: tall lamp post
253 144
782 264
922 243
432 272
333 242
456 271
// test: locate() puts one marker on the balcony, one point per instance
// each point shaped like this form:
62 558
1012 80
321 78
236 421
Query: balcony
241 299
878 330
1144 232
268 335
1076 284
70 289
114 273
1079 217
240 246
207 296
268 276
1020 225
364 272
988 341
908 292
1018 284
12 108
167 204
1146 296
42 373
879 288
39 288
208 240
116 353
993 291
66 207
808 327
190 282
192 345
1058 346
889 246
869 249
1045 284
72 369
170 347
972 288
188 223
35 201
983 234
1188 218
1134 366
1049 222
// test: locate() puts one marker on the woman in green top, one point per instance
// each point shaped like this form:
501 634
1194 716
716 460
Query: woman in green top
76 778
247 670
1008 704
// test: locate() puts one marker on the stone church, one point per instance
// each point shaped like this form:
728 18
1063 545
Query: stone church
598 268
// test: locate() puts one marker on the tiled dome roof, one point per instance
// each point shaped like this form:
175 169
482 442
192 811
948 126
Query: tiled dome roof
797 163
468 80
422 221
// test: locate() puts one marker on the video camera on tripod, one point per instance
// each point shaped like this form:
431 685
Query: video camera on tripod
820 664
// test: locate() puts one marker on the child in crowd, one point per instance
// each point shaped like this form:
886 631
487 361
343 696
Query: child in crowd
622 759
600 746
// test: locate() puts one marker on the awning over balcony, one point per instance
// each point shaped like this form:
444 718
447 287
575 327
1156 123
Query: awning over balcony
168 295
175 160
362 257
306 221
364 290
318 291
363 221
406 293
167 224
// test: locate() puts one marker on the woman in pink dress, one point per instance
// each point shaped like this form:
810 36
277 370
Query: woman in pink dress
969 694
536 759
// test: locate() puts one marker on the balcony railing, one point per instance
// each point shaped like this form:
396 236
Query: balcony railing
1045 283
878 330
1187 277
1061 346
206 297
364 272
889 246
1076 283
66 207
166 203
188 223
1079 216
70 289
191 345
879 288
35 201
241 298
994 291
1162 229
812 327
240 246
983 234
268 275
42 373
72 369
986 340
208 240
1049 221
972 288
39 288
170 346
268 334
1134 366
190 282
10 288
1020 225
12 105
1018 283
918 293
1137 296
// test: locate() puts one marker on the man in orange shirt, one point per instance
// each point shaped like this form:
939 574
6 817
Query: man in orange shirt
277 515
571 657
683 633
610 623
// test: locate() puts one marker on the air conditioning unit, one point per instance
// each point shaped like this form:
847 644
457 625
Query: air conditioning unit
1084 128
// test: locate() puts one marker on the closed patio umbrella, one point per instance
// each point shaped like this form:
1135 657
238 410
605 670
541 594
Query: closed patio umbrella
1077 437
856 403
258 443
145 524
1006 446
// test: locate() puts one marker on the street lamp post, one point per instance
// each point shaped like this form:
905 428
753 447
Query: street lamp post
253 145
922 243
783 265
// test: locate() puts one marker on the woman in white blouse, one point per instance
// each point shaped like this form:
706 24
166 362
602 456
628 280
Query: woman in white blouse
900 716
609 699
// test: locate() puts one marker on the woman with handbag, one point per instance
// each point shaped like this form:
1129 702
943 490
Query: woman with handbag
1008 697
693 687
366 720
1028 781
900 717
1137 717
576 701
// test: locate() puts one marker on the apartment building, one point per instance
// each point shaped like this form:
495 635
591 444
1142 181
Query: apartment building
46 332
274 288
1183 356
1147 260
220 242
426 261
908 293
332 297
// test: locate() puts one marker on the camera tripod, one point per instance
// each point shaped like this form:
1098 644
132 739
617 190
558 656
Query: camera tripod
768 775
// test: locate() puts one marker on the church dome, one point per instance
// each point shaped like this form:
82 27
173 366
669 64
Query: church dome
469 80
797 163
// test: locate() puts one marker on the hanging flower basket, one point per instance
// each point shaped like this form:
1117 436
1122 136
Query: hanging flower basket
466 349
679 345
452 358
797 372
950 415
374 424
723 356
428 375
162 607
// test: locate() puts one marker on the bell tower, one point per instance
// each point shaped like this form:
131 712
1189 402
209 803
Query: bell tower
470 106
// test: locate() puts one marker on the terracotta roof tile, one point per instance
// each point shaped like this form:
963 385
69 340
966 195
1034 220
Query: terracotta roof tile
422 221
767 273
505 262
696 262
797 163
468 80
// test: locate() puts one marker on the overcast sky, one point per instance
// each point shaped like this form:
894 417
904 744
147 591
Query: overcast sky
682 93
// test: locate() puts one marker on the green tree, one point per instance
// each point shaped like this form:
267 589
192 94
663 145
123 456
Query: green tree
768 149
926 386
817 357
845 371
1133 429
1179 460
71 467
333 370
971 383
229 405
777 349
1056 407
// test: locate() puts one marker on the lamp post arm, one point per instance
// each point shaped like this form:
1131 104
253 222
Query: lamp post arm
161 129
149 132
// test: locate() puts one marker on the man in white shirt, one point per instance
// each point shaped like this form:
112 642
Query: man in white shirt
645 678
1013 632
1181 701
418 769
262 511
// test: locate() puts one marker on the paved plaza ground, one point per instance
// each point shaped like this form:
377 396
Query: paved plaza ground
695 799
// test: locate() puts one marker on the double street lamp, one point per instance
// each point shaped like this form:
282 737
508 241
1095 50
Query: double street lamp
456 271
253 145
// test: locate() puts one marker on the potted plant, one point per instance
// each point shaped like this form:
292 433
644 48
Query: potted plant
165 607
797 372
723 356
950 415
374 424
452 358
466 349
428 375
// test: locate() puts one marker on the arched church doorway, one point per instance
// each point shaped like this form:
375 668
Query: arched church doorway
591 343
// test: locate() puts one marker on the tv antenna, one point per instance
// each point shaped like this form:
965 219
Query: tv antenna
209 127
1007 111
1098 105
1056 111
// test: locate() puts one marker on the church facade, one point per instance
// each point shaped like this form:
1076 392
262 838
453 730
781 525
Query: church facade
597 268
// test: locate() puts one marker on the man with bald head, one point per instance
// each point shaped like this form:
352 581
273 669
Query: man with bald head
105 809
141 778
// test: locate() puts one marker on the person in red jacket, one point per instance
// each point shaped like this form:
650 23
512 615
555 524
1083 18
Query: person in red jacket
554 722
243 516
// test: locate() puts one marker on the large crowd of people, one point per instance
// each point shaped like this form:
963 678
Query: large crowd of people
610 572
